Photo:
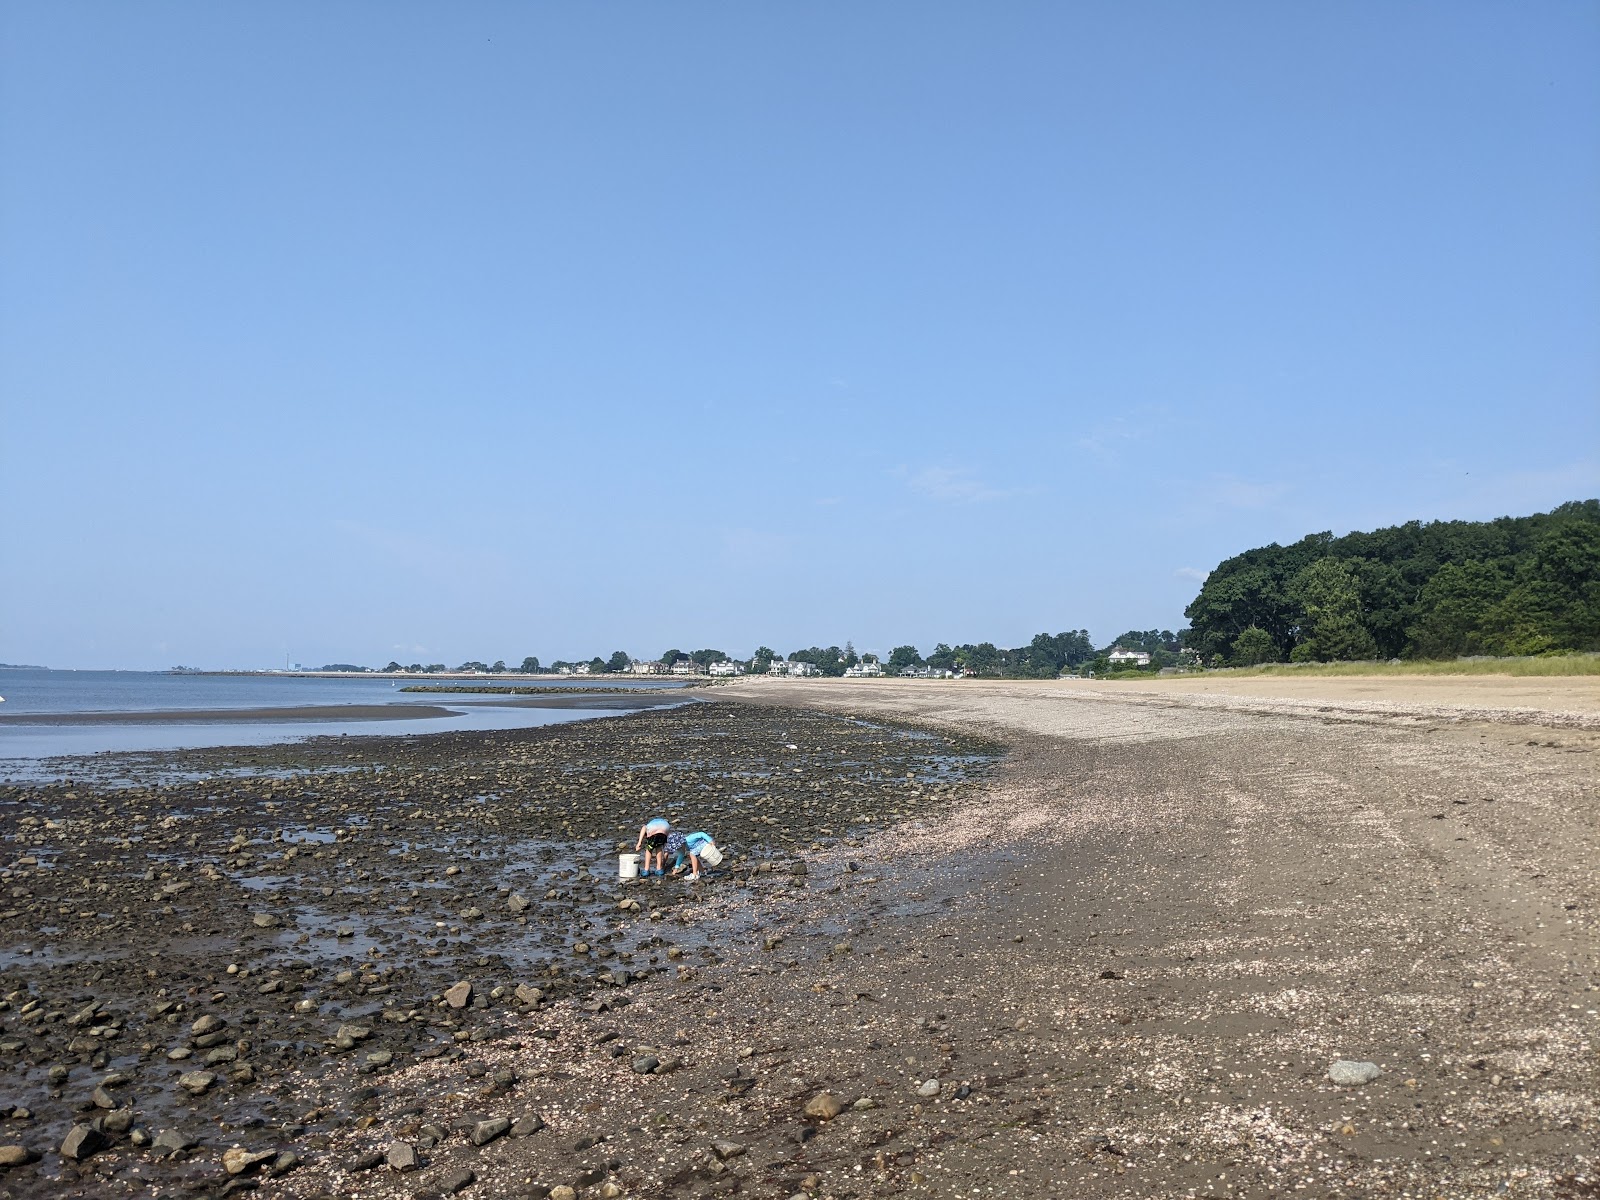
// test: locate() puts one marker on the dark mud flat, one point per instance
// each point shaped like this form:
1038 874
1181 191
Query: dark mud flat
214 964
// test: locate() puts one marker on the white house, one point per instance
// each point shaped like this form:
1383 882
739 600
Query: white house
726 667
865 669
1138 658
646 668
783 666
685 666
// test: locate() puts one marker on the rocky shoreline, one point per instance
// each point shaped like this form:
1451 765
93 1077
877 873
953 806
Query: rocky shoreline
214 961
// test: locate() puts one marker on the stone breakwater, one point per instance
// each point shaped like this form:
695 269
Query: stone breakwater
212 962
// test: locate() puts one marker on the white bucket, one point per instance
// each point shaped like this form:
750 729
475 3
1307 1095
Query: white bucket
627 866
709 855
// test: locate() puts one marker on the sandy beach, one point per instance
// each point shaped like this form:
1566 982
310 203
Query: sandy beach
1121 964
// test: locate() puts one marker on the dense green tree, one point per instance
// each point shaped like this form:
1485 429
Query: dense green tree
902 657
704 658
618 662
1254 646
670 656
597 665
1047 655
530 665
982 659
393 666
1512 585
761 660
1328 594
827 659
943 658
498 667
1452 609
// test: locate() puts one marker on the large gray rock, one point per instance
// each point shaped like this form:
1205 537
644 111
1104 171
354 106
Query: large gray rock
485 1132
402 1157
531 1123
1349 1073
82 1141
170 1141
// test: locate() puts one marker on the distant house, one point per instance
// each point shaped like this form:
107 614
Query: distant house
1123 657
865 669
646 668
784 666
726 667
685 666
581 669
926 672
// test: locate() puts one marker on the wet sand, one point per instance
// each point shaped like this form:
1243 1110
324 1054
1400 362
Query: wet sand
1122 967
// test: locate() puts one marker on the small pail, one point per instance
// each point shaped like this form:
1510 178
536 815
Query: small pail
710 855
627 866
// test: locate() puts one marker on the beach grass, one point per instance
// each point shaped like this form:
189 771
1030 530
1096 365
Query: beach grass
1538 666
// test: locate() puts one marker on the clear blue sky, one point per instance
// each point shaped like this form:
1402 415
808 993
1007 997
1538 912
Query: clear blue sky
445 331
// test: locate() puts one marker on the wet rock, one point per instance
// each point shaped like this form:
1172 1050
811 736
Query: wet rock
265 921
196 1082
1349 1073
401 1156
645 1063
485 1132
517 903
82 1141
366 1161
563 1192
236 1160
117 1123
528 994
531 1123
726 1150
284 1163
170 1141
206 1024
456 1180
15 1156
824 1106
457 995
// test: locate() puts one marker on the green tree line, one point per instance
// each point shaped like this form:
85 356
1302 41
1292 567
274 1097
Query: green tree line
1511 586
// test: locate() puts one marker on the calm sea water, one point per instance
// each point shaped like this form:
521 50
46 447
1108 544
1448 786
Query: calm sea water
66 692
